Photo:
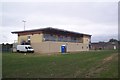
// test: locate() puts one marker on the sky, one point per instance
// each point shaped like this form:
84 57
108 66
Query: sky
99 19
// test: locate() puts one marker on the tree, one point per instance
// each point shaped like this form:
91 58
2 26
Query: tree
113 40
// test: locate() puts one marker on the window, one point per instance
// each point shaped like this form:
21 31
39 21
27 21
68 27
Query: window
61 38
74 38
26 48
29 47
28 37
49 37
28 40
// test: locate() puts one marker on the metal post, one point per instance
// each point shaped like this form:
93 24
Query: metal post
24 24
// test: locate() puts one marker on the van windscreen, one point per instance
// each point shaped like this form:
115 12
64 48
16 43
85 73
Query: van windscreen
29 47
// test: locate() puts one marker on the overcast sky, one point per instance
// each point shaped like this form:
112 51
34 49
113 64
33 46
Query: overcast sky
99 19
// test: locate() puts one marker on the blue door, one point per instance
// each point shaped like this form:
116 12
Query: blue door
63 49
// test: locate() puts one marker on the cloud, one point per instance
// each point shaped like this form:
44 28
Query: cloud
81 10
97 19
59 0
68 23
6 36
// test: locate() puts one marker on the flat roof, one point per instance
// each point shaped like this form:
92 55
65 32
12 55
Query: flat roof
50 29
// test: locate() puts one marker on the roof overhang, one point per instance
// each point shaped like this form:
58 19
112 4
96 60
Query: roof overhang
51 30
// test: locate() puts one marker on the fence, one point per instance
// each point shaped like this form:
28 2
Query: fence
6 47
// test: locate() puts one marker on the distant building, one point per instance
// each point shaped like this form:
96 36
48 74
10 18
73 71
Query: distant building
104 46
48 40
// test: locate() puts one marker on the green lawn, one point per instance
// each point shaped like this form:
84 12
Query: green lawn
92 64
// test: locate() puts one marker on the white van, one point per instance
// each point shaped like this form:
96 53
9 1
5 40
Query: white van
25 48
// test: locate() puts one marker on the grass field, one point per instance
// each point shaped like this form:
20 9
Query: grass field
92 64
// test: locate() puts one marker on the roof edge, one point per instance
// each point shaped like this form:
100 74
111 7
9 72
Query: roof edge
41 29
